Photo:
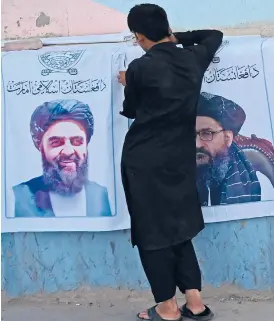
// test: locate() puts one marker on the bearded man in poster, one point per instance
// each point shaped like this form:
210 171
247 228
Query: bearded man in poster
61 131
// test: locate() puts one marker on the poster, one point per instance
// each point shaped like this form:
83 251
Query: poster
234 144
63 135
58 139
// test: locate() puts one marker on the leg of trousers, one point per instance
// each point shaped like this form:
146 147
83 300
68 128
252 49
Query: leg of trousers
172 267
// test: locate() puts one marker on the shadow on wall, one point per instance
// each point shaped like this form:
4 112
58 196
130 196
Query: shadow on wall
68 18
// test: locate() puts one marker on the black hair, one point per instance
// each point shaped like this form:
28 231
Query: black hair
149 20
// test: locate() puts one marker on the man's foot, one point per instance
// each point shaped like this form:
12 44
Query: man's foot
203 314
194 308
163 312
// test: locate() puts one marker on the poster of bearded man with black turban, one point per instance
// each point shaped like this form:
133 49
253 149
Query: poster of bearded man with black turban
229 164
59 153
234 131
61 131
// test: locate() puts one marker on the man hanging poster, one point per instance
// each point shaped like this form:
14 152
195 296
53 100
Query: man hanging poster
63 136
235 153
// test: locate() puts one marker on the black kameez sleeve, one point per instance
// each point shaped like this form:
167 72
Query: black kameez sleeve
131 91
207 41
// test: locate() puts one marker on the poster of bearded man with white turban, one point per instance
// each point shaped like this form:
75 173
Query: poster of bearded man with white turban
61 131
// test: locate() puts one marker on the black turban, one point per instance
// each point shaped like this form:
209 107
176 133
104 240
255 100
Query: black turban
50 112
230 115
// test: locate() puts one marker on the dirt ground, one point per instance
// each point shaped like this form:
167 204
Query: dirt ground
228 303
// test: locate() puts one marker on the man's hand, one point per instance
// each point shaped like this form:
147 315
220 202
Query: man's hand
172 38
122 78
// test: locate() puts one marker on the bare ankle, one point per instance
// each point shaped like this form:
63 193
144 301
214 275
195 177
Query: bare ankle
194 301
169 305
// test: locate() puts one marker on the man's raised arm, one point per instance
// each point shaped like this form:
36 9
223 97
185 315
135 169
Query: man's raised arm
207 41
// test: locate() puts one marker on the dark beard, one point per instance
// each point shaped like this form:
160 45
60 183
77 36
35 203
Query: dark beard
215 171
64 183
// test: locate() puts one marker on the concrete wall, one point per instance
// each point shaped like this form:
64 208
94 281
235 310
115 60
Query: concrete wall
239 252
31 18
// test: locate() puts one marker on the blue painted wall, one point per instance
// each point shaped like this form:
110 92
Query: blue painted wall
190 14
239 252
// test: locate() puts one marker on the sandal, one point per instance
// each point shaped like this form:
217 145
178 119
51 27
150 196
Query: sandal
206 315
154 316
